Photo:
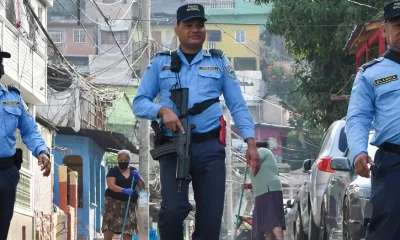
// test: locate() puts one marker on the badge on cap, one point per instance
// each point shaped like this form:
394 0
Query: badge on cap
193 8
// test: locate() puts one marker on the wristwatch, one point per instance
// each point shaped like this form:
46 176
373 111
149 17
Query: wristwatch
45 152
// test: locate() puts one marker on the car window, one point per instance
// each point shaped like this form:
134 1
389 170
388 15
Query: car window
342 140
326 139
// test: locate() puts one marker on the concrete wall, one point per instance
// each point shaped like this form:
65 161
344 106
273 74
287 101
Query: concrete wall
17 223
89 216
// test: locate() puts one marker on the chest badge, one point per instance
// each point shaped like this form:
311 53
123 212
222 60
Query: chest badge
387 79
11 103
211 68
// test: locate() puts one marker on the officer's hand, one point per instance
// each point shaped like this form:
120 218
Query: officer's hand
252 156
44 162
127 191
171 120
361 164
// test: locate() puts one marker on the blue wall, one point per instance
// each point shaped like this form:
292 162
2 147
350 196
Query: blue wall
89 217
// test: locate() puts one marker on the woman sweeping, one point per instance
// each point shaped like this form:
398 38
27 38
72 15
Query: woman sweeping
119 180
268 214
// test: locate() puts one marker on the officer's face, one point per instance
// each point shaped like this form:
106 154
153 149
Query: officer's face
391 32
191 32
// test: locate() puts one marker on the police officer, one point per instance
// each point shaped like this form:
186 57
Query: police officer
14 113
207 74
376 97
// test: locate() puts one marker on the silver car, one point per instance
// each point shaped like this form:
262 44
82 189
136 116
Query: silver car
333 145
347 209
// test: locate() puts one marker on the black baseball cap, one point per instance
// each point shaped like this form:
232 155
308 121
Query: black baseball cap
391 10
190 11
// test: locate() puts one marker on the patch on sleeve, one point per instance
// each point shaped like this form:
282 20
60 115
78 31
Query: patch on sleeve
230 70
26 108
354 87
387 79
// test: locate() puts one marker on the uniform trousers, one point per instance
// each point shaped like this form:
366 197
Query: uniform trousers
385 197
208 181
9 178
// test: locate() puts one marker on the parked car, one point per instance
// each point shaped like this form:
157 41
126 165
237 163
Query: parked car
334 144
346 207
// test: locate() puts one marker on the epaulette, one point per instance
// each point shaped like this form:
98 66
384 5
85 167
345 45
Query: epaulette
13 88
216 52
370 63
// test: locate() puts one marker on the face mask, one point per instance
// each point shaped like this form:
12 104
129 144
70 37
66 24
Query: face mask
123 165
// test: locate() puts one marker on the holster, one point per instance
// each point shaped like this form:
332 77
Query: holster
13 160
222 131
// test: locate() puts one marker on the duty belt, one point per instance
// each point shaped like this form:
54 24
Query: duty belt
11 161
390 147
200 137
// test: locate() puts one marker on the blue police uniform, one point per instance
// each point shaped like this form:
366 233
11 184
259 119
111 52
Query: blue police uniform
375 97
207 76
14 114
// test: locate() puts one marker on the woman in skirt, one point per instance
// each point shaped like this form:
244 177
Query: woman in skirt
268 214
119 181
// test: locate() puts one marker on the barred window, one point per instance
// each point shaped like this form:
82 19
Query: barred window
80 36
56 35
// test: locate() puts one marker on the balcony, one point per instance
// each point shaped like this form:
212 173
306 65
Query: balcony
215 4
28 63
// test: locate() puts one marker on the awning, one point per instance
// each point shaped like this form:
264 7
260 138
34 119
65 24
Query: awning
361 34
110 141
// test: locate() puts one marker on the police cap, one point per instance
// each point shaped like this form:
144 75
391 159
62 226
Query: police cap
4 54
190 11
391 10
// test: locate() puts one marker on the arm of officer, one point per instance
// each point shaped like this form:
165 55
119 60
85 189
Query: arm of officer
143 105
235 101
359 116
29 132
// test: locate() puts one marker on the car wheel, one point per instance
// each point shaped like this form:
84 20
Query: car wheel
313 230
298 231
345 225
322 225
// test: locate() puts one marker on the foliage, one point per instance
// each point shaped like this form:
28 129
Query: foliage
302 142
316 33
111 158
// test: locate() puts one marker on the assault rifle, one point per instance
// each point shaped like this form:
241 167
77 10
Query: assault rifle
180 142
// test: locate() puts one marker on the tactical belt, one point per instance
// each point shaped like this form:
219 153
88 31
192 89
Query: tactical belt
390 147
200 137
7 162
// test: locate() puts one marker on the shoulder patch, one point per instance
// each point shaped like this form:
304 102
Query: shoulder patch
230 70
13 88
370 63
216 52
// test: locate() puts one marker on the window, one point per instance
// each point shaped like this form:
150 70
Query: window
245 63
240 36
40 14
56 35
211 45
79 36
10 11
107 37
214 35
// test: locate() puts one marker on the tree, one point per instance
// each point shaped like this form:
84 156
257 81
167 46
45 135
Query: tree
302 142
315 33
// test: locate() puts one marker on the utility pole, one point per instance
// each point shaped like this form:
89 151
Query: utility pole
228 162
144 132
